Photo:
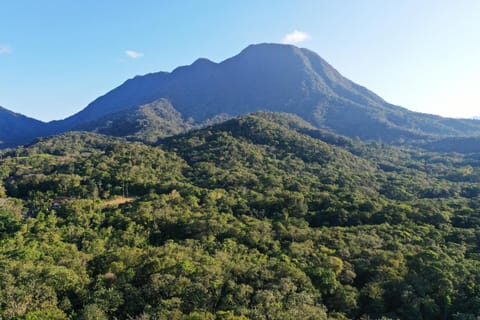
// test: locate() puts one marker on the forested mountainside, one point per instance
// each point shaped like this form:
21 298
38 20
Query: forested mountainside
259 217
262 77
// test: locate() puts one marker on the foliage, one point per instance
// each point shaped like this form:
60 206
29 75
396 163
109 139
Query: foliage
259 217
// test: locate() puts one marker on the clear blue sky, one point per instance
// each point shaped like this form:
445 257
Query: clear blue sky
56 56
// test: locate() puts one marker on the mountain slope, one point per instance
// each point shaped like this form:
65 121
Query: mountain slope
16 129
277 78
148 122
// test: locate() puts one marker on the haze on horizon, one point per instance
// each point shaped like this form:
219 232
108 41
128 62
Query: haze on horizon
57 56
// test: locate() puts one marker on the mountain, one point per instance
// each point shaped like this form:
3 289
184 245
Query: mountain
273 77
269 77
16 129
262 216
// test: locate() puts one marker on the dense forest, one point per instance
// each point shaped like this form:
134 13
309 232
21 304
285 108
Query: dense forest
259 217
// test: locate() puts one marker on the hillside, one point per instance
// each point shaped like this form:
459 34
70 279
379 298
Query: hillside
16 129
146 123
259 217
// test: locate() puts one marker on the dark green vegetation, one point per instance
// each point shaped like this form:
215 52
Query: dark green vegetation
148 123
259 217
272 77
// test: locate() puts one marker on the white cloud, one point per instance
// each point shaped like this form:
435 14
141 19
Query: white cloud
295 37
5 49
133 54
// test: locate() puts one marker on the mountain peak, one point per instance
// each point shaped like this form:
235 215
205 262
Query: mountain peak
269 46
275 52
202 62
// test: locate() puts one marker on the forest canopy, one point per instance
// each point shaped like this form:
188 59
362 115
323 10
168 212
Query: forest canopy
259 217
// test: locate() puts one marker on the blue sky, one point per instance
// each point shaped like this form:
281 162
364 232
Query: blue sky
56 56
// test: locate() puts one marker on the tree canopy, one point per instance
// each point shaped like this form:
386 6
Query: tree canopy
259 217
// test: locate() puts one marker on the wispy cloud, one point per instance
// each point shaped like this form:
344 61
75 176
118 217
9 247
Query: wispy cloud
133 54
5 49
295 37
